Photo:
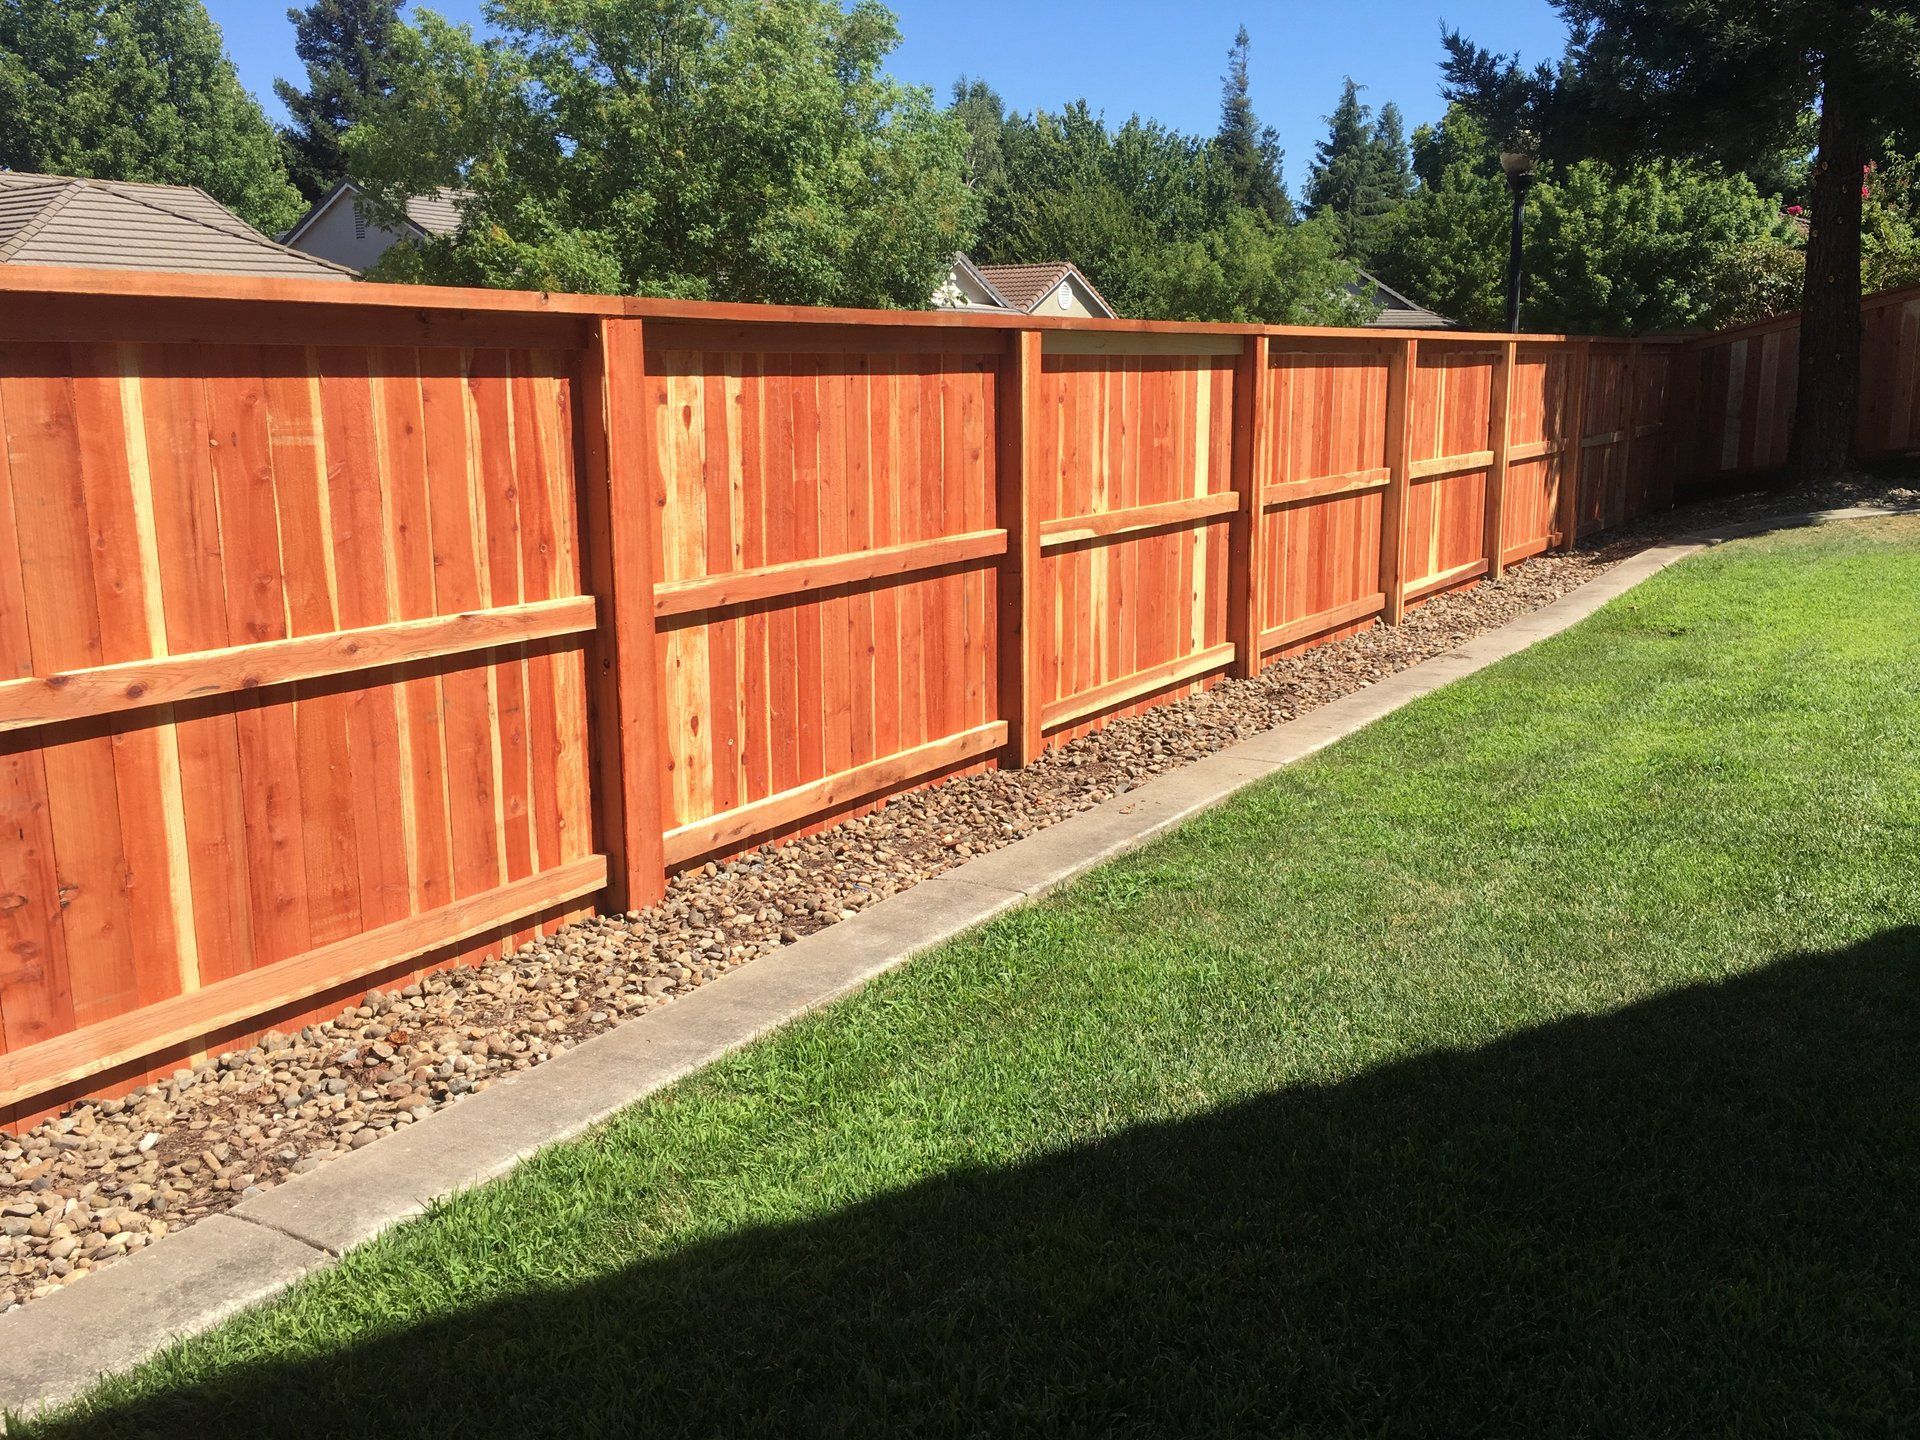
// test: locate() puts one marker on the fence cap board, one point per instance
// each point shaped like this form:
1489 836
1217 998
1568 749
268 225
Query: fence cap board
415 299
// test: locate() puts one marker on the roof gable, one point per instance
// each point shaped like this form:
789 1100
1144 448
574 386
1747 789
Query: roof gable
1025 286
1397 312
435 213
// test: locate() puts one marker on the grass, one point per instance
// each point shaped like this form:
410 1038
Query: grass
1543 1060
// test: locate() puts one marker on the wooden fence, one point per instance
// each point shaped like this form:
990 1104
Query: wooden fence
348 631
1747 390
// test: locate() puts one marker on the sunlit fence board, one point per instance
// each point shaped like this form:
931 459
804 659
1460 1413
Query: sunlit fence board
767 458
1327 421
1538 427
165 499
1450 406
1116 433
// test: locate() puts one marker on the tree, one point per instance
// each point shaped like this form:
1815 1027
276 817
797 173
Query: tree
1251 271
715 148
1660 245
343 44
1251 150
1150 216
1447 245
1890 225
1730 79
136 90
1360 172
1390 144
979 108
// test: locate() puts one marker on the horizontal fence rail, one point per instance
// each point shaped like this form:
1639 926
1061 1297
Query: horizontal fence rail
349 631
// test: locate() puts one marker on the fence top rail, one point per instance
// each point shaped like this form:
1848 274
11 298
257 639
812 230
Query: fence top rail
159 286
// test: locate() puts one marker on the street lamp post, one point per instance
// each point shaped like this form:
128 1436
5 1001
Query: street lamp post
1516 160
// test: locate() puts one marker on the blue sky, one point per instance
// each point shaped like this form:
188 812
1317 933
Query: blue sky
1161 59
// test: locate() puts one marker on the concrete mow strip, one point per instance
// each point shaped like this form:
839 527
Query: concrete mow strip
54 1348
187 1282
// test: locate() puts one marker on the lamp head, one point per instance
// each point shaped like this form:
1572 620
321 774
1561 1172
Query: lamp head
1518 154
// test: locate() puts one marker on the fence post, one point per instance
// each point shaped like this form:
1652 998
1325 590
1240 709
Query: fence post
1630 487
1499 426
1017 497
617 535
1684 418
1393 508
1244 549
1576 433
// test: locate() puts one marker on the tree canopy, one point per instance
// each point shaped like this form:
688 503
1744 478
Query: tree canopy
708 148
1656 245
1154 219
136 90
344 46
1730 80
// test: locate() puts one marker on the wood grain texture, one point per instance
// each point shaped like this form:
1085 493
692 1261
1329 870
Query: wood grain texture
1016 497
325 617
857 489
1121 440
109 1043
1325 473
199 674
268 617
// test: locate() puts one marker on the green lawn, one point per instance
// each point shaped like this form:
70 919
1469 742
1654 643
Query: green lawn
1544 1060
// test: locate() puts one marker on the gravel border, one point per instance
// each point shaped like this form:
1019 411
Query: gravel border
107 1178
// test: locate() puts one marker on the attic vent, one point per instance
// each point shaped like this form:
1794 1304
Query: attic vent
359 222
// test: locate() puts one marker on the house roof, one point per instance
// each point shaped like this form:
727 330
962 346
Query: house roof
1024 286
122 225
1397 311
435 213
963 264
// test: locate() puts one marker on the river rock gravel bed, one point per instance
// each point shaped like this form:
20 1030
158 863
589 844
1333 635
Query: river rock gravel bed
107 1178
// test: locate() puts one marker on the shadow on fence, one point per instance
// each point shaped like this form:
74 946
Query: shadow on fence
1695 1215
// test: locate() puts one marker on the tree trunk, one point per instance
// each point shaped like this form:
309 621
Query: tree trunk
1829 379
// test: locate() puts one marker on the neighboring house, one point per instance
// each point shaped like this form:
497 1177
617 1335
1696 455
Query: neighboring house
1053 288
338 227
1397 312
119 225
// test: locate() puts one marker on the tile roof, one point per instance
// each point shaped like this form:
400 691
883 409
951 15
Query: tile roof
437 213
1397 312
1025 285
120 225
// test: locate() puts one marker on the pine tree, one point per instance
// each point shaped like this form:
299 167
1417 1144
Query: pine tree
343 44
1390 143
1361 172
136 90
1250 149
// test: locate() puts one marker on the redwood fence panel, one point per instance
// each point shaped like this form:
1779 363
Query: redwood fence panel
1322 483
1135 466
1539 424
825 599
348 631
293 644
1746 379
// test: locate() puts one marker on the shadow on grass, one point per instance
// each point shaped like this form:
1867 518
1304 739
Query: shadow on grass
1700 1214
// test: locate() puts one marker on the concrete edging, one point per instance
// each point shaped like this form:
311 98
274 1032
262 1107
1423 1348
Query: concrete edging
189 1281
